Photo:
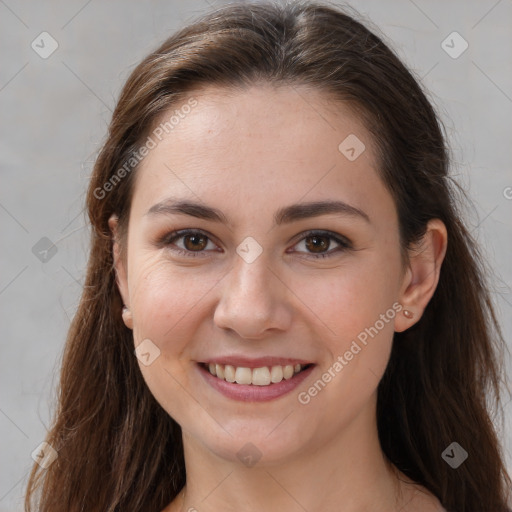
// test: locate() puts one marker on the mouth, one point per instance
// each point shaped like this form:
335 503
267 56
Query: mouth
254 384
255 376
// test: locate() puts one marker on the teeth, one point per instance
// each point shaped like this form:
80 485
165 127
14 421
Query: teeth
288 371
243 375
276 374
263 376
219 371
229 373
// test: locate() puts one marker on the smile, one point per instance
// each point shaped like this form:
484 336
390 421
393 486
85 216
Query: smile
257 384
264 376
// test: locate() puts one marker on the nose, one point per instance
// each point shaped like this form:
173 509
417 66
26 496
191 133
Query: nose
253 300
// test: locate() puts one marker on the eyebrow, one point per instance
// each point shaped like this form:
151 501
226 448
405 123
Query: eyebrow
285 215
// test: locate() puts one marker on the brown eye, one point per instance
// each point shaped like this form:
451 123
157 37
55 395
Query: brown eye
195 242
188 242
317 243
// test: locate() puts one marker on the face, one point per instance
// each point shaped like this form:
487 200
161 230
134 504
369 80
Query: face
267 279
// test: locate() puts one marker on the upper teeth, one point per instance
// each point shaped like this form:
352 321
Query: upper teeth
257 376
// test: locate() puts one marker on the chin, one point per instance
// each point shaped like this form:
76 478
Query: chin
256 445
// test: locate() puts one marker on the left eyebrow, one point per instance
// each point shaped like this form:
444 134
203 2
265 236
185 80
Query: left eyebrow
284 215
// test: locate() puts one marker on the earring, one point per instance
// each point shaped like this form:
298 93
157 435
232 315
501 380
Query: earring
408 314
127 317
126 314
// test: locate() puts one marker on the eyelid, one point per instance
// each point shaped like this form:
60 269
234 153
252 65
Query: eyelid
165 241
343 242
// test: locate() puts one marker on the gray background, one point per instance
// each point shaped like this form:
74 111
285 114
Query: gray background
54 116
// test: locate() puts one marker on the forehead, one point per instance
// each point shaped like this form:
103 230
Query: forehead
294 112
262 142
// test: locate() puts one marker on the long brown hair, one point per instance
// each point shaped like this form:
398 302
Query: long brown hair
118 450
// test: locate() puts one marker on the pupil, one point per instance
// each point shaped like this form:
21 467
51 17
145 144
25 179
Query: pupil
196 238
321 245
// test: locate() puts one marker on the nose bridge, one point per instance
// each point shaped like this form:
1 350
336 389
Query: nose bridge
251 282
252 300
253 274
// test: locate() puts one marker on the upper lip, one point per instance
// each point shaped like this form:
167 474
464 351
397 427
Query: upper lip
256 362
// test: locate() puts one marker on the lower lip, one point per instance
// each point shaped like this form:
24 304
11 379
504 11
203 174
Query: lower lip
252 393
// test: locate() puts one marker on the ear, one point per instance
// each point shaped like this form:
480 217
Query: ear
121 274
422 276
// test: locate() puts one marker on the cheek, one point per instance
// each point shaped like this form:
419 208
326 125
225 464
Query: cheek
356 306
166 300
355 355
351 297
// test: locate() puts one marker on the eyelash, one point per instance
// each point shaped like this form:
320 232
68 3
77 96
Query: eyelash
344 243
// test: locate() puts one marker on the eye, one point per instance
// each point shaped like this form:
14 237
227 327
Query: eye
195 242
319 241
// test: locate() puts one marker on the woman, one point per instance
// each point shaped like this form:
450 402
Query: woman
283 309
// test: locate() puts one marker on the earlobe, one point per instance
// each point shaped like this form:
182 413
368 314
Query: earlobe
422 276
121 276
127 317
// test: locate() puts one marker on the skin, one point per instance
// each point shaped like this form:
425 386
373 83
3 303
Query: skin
247 153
